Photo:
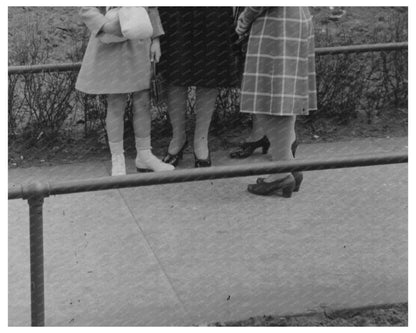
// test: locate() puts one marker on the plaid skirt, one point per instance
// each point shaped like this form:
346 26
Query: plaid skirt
279 74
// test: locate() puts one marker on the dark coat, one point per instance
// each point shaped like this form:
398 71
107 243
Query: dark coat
197 48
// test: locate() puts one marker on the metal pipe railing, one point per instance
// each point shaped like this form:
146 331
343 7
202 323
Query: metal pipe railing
319 51
36 192
32 69
361 48
187 175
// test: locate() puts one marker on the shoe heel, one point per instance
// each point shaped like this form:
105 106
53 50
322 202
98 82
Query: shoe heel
143 170
298 180
287 191
266 147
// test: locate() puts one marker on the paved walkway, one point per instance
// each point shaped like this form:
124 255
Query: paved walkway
200 252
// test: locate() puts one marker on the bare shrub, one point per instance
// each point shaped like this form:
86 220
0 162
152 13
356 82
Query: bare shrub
39 104
48 97
365 83
15 101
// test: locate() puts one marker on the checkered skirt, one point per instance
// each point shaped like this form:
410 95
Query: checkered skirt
279 76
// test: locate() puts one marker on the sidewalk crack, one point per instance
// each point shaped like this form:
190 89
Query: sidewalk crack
156 256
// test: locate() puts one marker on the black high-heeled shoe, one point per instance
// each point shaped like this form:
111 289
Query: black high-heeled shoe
298 175
247 148
285 186
175 158
199 163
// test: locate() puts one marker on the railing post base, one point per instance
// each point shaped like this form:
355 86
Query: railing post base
35 199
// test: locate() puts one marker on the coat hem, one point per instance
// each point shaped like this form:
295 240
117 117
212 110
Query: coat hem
306 113
108 92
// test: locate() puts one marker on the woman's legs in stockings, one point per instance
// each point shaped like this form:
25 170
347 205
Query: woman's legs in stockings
204 108
177 97
281 133
257 132
205 104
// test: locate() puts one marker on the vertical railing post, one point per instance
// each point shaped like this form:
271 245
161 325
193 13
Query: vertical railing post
35 194
36 261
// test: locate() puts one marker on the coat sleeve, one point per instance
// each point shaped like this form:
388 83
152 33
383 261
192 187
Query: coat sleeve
247 17
156 23
93 19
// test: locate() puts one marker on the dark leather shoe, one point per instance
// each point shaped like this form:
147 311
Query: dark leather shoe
203 163
247 148
284 186
297 175
175 158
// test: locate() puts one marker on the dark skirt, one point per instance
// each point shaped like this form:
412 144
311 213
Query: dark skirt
197 48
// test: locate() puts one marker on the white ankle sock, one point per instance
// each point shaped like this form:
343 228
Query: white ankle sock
143 143
118 165
145 155
116 147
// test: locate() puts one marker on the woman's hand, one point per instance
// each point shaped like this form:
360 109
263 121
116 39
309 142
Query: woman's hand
155 52
113 27
240 30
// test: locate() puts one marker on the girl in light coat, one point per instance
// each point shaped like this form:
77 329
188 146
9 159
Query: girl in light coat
116 67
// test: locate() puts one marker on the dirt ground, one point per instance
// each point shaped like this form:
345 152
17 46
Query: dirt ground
386 315
63 151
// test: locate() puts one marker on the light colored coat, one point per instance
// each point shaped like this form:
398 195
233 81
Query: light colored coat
279 75
122 67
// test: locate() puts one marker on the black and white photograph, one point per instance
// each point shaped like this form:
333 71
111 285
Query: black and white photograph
207 165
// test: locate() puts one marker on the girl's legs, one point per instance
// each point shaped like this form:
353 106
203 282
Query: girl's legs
142 122
204 108
177 97
116 104
141 114
281 133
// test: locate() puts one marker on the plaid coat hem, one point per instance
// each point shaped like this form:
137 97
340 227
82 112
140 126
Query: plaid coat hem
279 76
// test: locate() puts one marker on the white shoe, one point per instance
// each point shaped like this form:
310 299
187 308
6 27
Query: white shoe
118 165
147 162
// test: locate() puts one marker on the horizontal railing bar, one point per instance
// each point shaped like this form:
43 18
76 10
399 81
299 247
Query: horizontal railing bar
361 48
319 51
178 176
15 192
44 68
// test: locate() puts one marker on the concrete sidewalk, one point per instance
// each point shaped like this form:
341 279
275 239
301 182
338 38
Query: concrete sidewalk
200 252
